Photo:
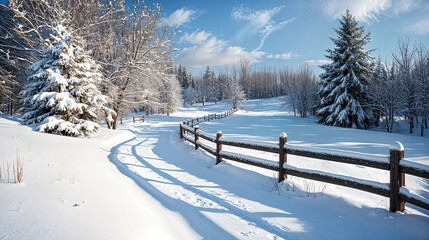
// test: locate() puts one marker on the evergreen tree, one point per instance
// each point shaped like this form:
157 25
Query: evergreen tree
379 78
344 84
182 77
62 92
210 87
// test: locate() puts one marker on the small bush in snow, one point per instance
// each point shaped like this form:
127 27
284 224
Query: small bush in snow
275 184
18 170
311 190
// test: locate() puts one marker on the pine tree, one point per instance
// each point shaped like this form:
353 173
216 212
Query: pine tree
62 92
210 88
182 77
344 84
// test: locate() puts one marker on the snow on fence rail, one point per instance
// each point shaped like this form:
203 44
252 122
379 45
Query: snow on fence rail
206 118
394 163
138 118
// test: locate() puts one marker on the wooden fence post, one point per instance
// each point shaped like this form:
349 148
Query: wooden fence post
397 179
196 137
282 156
218 147
134 119
182 131
142 118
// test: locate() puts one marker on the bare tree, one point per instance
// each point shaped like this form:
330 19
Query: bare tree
301 87
288 82
237 95
244 68
384 92
135 75
403 59
421 75
305 90
18 48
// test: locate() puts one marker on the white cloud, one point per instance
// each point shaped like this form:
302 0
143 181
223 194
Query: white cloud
317 62
285 56
214 52
180 17
420 27
195 37
258 22
366 10
401 6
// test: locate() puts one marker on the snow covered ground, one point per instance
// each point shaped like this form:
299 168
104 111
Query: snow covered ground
143 182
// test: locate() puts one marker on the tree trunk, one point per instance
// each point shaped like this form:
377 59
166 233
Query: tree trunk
411 122
115 121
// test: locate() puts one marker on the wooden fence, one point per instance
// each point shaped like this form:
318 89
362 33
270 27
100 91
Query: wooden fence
135 119
209 117
394 163
138 118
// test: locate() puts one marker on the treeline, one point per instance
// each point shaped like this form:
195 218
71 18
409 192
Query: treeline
244 82
131 49
67 62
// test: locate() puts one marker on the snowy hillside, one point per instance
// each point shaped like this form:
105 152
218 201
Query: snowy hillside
143 182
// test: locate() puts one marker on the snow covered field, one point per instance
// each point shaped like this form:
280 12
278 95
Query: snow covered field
143 182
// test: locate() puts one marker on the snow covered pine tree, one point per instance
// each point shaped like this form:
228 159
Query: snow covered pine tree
62 93
343 93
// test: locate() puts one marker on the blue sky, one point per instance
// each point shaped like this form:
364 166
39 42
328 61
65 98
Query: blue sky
284 32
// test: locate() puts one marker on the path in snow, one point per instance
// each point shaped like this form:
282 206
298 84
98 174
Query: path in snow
155 162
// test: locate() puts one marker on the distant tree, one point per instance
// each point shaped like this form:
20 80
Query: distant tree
190 95
183 77
344 84
222 86
244 74
404 60
236 92
210 85
169 89
421 75
383 92
237 95
305 89
62 92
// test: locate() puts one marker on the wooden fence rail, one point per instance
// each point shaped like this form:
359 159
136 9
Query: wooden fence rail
209 117
395 163
137 118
